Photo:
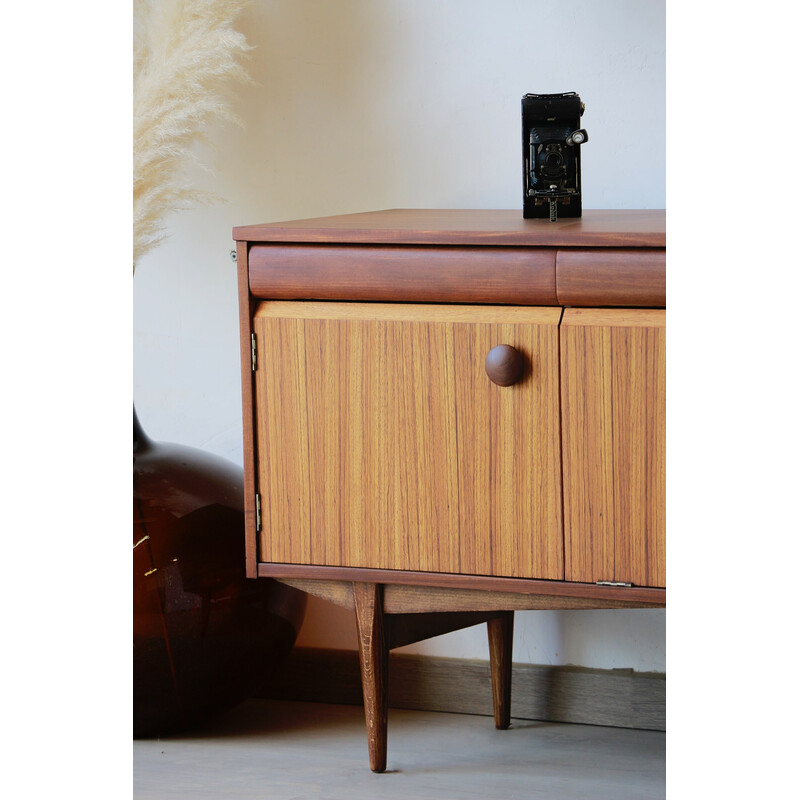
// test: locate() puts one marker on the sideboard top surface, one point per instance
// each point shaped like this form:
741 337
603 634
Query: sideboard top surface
494 227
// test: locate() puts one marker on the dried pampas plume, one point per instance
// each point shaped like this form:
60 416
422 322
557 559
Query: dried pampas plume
185 53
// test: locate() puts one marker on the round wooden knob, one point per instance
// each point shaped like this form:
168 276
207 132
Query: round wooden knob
504 365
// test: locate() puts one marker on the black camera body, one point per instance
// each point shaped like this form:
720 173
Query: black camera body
551 155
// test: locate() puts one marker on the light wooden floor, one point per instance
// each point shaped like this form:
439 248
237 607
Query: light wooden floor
292 751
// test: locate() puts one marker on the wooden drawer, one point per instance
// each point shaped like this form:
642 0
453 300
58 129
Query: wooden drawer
382 443
520 276
612 277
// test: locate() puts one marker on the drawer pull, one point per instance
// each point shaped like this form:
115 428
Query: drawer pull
504 365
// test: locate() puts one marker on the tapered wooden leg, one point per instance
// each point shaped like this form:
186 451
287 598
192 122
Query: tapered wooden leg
501 635
373 654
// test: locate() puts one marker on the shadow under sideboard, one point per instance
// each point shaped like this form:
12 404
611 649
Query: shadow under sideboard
619 697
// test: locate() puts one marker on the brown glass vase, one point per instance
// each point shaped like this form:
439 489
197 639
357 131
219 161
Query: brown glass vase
204 636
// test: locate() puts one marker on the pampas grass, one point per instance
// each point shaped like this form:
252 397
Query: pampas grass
186 53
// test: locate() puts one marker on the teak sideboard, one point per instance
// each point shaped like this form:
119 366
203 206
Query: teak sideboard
452 415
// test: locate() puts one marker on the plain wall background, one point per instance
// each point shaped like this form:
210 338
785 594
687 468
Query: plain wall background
385 104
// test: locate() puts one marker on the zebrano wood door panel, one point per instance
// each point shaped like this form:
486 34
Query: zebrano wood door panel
382 443
613 407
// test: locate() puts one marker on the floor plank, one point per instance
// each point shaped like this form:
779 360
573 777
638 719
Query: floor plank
294 751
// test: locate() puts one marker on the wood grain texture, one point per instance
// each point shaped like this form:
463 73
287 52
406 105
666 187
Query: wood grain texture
612 277
501 639
383 444
596 228
420 599
401 599
614 408
373 652
549 591
387 273
246 306
339 593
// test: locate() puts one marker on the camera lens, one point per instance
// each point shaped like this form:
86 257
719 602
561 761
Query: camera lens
553 160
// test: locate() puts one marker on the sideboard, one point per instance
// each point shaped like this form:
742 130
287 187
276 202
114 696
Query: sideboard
450 415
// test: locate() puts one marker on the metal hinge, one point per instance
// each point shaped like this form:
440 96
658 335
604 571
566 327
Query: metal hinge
613 583
253 359
258 512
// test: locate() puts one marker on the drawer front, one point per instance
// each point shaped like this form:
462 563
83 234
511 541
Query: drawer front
385 273
612 277
614 409
382 443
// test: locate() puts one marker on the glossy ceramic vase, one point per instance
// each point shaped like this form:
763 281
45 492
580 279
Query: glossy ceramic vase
204 636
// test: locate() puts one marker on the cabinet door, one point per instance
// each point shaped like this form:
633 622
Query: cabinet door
613 412
382 443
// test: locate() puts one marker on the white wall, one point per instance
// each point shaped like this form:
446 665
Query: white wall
362 105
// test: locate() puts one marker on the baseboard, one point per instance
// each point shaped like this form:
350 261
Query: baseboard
618 698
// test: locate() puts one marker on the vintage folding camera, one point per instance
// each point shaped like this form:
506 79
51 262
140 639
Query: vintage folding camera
551 155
